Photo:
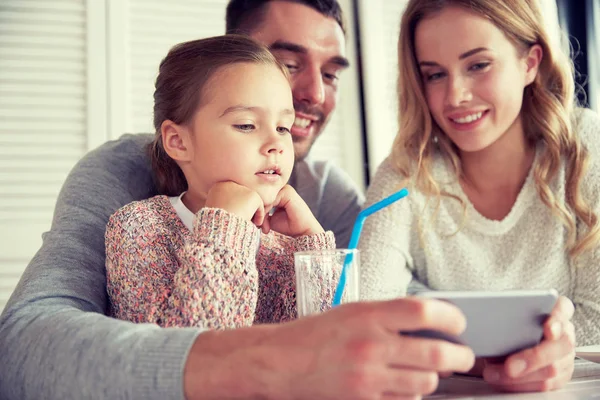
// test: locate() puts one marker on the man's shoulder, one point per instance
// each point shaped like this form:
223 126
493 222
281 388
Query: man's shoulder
131 147
325 174
112 175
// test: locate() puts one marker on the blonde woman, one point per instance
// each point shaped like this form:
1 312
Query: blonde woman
503 171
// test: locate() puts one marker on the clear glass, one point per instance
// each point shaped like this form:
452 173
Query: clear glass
317 277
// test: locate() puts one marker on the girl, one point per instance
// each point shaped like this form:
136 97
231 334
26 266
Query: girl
503 172
222 156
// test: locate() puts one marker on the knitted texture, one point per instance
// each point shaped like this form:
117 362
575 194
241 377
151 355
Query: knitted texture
525 250
224 274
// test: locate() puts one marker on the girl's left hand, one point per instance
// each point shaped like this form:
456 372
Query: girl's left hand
292 216
547 366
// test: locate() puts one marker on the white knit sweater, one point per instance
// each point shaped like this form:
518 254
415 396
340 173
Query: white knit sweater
525 250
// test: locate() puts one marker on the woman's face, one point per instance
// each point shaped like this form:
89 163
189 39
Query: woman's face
473 77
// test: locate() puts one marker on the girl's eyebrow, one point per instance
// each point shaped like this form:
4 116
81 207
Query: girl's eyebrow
464 55
254 109
240 107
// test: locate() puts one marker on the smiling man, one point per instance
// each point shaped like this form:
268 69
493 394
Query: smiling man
313 51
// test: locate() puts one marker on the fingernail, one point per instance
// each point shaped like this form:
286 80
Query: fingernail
556 329
517 367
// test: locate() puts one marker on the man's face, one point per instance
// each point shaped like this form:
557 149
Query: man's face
312 47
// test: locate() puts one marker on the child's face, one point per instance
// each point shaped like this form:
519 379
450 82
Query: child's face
473 78
241 131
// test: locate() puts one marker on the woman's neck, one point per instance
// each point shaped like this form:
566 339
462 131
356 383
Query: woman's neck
502 166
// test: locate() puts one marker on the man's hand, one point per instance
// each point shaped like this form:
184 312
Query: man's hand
351 352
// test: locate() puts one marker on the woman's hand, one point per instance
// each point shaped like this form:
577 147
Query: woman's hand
547 366
292 216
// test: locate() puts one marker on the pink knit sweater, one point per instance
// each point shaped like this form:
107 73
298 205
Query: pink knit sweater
224 274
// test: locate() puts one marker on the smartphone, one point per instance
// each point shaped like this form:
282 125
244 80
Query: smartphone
498 323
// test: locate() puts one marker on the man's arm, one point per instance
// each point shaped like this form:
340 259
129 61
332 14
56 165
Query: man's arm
55 340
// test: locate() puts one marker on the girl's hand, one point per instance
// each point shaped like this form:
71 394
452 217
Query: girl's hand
547 366
238 200
292 216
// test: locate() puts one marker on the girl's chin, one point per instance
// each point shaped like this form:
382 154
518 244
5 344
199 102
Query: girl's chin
268 203
268 196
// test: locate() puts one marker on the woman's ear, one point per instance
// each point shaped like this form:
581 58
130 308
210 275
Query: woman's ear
175 140
533 58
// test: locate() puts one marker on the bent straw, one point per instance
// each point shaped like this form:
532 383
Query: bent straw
356 230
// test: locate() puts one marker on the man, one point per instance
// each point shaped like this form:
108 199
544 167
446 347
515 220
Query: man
56 342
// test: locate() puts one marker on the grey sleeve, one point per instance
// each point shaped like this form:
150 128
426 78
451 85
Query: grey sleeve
55 340
341 202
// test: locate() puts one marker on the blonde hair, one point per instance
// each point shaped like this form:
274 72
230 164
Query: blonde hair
547 111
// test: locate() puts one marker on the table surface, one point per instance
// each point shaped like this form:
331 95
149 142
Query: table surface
584 385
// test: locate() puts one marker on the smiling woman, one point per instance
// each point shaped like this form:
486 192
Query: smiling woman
480 91
503 170
379 28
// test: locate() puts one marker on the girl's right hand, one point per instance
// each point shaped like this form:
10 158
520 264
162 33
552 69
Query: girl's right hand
238 200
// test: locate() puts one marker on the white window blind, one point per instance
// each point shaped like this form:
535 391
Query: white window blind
43 114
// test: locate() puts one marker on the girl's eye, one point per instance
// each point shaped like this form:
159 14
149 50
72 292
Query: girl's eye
479 66
244 127
283 129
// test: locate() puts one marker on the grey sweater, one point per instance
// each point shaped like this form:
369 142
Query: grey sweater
55 340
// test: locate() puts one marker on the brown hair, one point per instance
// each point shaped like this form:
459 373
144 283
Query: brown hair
547 113
182 78
244 16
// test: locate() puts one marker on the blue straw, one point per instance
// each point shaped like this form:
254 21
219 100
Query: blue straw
356 230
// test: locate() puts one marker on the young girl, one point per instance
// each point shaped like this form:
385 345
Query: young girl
503 173
222 155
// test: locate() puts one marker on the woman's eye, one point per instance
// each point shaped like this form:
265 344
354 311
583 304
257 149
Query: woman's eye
479 66
283 129
244 127
434 77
